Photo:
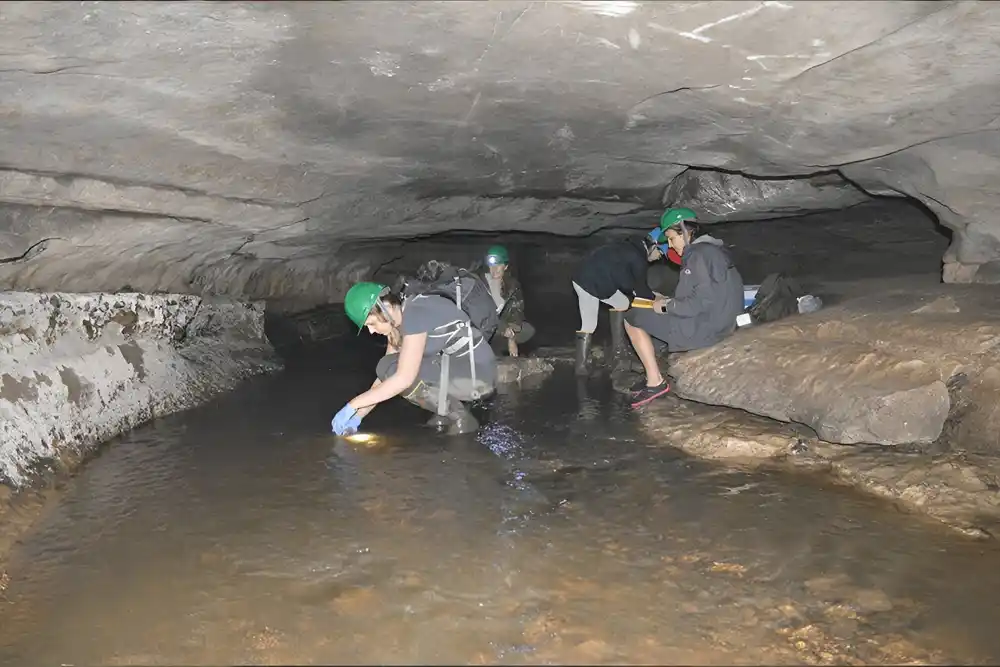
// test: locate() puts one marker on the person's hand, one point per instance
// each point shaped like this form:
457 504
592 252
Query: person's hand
509 333
512 347
346 421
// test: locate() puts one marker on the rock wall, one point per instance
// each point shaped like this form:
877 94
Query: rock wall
77 369
719 196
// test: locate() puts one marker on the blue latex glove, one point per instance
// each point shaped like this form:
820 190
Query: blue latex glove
346 421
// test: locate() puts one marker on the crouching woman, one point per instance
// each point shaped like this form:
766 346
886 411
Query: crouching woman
703 311
420 329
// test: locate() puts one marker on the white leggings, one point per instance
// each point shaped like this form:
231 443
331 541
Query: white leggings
590 303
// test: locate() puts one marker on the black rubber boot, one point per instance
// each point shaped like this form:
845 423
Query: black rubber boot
457 420
462 420
582 353
620 346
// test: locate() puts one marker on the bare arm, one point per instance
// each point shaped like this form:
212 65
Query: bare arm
363 412
411 353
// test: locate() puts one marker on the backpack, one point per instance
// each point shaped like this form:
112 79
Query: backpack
440 279
777 297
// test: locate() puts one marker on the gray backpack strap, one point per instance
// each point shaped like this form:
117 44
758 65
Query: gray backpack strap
472 359
442 406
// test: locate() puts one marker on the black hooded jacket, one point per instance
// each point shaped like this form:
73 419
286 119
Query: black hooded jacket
619 266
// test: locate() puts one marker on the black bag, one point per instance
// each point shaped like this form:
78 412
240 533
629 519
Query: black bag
441 279
777 298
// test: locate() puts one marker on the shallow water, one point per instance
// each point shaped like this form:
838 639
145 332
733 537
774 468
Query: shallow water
242 532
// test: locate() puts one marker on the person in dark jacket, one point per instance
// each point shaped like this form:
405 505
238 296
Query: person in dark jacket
613 274
702 312
505 289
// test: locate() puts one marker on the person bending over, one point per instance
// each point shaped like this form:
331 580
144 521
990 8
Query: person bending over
613 274
420 329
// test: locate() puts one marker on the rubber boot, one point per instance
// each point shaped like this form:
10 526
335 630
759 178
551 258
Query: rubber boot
619 342
582 353
457 419
462 419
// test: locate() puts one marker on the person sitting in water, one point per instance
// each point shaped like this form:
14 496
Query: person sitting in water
505 289
613 274
702 312
419 329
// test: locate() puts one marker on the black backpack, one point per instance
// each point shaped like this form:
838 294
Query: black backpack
777 297
441 279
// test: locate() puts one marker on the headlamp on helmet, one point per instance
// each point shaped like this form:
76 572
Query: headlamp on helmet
497 255
656 238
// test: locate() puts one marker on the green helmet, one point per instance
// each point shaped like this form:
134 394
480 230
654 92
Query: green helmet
674 215
360 300
497 254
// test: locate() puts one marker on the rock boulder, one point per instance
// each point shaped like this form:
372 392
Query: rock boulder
720 196
848 392
876 368
510 370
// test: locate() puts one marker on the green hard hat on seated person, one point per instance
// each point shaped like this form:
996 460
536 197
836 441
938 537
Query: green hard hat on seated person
360 299
674 215
497 254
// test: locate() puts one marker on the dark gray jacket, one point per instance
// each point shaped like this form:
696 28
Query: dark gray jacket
708 298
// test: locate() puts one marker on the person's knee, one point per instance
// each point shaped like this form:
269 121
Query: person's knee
636 324
386 366
463 389
619 301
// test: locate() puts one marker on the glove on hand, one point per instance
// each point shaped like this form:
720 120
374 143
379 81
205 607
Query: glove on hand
346 421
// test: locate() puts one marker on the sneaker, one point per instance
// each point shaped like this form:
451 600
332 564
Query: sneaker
648 394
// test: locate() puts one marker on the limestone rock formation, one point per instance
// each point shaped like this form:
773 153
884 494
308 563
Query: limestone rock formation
264 149
899 367
847 391
719 196
77 369
957 488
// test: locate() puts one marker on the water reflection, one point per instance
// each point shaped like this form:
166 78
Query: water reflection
244 533
588 409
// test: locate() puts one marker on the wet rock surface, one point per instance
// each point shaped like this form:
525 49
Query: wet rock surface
959 489
835 374
78 369
944 335
511 370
